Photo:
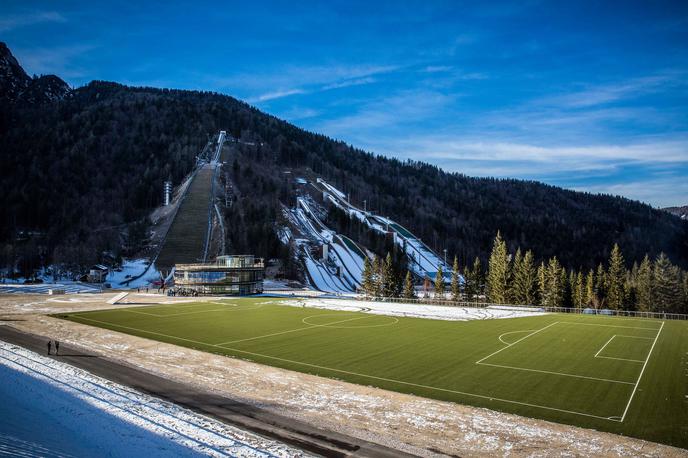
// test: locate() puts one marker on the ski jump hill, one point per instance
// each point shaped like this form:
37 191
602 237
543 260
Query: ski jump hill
333 262
189 236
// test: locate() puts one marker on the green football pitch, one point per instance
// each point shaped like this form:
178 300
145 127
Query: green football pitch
622 375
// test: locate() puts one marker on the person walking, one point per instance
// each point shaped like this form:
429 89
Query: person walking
57 347
50 344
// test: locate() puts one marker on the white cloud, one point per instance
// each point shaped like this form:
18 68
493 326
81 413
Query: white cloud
437 68
651 152
275 95
298 113
603 94
12 22
300 76
399 109
347 83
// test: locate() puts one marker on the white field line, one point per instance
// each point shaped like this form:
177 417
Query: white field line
512 332
522 338
604 346
165 315
630 400
373 377
597 355
176 314
310 326
621 359
563 374
446 390
612 325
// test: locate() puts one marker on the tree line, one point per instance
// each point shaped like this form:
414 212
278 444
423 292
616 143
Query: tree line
653 285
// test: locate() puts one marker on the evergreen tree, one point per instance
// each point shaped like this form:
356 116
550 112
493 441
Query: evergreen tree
616 274
470 277
479 277
439 283
555 285
409 291
566 292
543 295
589 296
600 286
631 288
512 295
498 272
524 279
377 277
685 292
389 283
368 278
579 290
455 284
667 286
644 285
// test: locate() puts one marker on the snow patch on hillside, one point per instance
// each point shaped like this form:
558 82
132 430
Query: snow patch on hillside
131 268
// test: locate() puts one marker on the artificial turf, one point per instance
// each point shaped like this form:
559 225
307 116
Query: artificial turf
573 369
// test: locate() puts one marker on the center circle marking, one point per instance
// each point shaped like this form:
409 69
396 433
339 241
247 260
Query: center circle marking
342 323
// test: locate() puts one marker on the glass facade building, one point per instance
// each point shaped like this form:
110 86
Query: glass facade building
237 275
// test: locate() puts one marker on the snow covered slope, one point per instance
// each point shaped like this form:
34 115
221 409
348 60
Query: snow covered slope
336 267
422 260
53 409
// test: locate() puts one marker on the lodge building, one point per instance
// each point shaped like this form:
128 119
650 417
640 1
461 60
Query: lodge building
236 275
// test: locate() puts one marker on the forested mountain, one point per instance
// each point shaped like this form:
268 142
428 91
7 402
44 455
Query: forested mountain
80 165
681 212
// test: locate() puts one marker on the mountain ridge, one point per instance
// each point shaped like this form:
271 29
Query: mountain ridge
680 211
110 147
16 86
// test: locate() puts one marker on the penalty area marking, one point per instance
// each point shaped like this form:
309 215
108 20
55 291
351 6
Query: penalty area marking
562 374
630 400
373 377
512 344
597 355
612 325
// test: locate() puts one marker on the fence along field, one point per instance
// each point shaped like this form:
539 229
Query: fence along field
622 375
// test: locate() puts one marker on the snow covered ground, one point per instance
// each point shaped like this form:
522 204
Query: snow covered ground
434 312
116 278
50 408
131 268
43 288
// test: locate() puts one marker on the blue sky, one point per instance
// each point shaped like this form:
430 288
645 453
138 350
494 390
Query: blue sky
591 96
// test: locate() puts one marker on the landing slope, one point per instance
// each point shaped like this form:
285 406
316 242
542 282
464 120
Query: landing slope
186 239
